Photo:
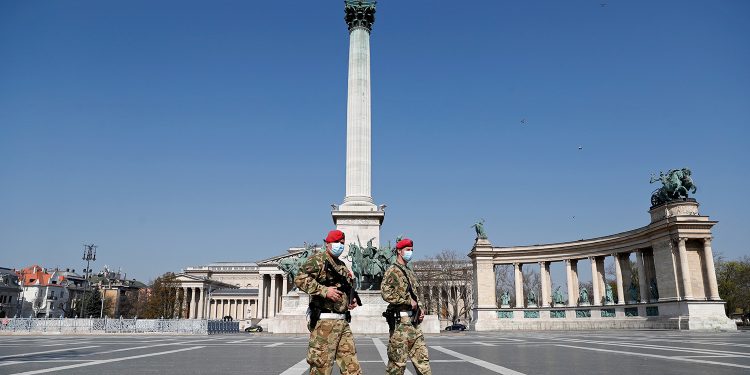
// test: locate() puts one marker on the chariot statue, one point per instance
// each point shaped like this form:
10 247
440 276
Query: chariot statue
676 184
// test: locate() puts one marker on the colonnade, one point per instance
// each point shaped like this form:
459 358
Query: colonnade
695 278
273 287
238 309
189 302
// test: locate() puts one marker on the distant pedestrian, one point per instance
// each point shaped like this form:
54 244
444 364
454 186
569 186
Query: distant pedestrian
321 276
405 314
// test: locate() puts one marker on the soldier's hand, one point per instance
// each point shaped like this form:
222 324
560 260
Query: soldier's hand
413 304
352 305
334 294
421 316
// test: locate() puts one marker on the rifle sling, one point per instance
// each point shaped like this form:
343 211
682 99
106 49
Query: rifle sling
408 283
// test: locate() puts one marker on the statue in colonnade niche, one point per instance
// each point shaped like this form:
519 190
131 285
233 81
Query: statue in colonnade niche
505 298
633 292
532 298
609 297
584 296
557 297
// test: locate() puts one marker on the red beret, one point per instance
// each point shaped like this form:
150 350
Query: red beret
335 236
404 243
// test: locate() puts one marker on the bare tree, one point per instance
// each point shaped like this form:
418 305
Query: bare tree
450 275
504 281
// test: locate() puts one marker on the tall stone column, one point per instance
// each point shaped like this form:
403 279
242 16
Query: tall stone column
595 282
570 269
545 279
518 272
191 312
285 283
272 298
262 297
643 283
713 288
358 217
618 279
687 287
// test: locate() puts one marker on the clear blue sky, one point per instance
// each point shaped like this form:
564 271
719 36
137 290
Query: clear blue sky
177 133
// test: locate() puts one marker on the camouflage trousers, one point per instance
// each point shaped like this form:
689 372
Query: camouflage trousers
332 340
407 341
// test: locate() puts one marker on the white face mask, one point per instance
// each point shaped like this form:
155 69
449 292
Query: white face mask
407 255
337 248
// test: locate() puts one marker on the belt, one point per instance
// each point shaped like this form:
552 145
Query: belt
405 313
332 316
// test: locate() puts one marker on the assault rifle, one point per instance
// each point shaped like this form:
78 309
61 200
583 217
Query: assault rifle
417 311
345 286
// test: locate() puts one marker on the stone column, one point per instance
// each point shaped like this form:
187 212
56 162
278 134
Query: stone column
199 304
713 289
618 279
191 311
546 288
518 270
262 297
285 283
572 284
358 154
687 288
272 298
643 283
596 282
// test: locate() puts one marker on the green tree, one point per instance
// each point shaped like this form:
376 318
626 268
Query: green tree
733 278
161 298
92 304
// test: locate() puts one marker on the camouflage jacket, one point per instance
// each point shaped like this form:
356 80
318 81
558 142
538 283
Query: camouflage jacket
394 288
312 279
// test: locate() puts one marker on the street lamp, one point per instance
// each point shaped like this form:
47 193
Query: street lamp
89 255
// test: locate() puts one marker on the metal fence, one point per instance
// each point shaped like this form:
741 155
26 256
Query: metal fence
83 326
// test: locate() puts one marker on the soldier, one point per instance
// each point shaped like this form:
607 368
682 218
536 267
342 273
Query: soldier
324 277
406 338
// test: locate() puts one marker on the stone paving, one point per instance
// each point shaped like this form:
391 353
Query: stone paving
610 352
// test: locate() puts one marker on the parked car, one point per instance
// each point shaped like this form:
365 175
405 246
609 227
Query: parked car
456 327
254 329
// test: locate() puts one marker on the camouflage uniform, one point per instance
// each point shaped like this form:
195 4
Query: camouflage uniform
331 339
406 340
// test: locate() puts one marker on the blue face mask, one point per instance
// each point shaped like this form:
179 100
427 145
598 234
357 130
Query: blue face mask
407 255
337 248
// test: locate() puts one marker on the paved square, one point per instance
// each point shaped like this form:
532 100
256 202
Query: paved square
613 352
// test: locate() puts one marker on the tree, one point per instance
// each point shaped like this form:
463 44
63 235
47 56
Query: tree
451 275
161 298
92 304
504 280
733 278
134 303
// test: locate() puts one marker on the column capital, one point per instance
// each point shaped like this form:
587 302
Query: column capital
360 14
707 241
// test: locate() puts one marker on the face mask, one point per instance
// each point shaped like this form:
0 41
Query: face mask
337 248
407 255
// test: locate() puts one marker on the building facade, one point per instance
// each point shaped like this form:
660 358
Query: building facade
44 294
10 293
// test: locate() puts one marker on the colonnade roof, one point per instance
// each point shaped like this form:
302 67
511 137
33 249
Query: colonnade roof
623 242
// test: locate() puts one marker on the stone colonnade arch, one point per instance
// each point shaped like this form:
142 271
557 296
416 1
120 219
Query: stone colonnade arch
674 257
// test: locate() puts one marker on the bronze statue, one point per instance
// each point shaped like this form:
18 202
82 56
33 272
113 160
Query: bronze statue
676 184
479 227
